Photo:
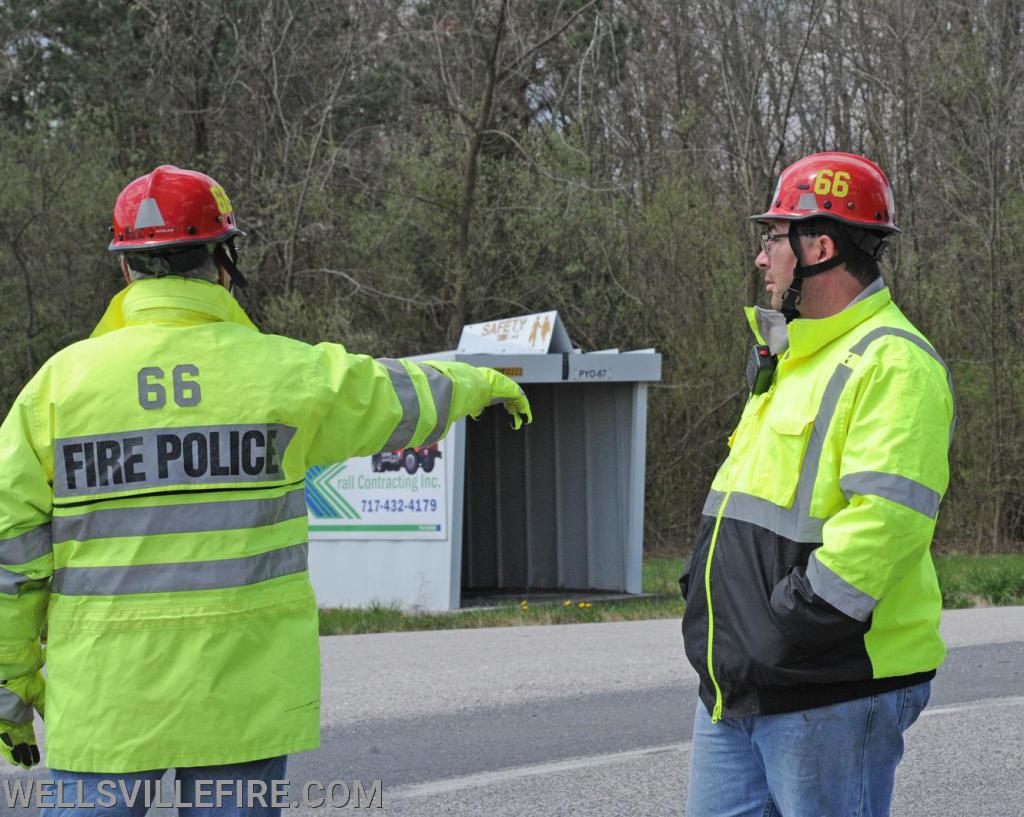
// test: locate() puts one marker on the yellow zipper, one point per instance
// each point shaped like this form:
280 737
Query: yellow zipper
716 713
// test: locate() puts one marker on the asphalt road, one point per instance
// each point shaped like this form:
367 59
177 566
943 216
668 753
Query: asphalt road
595 719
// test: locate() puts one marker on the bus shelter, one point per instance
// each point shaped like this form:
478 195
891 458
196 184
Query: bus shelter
555 507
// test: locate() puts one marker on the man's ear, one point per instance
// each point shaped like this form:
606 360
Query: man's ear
125 271
824 248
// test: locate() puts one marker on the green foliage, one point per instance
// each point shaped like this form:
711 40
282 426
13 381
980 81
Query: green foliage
970 580
55 200
624 145
661 575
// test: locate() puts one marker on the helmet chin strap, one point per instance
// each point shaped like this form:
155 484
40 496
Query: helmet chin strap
226 255
791 297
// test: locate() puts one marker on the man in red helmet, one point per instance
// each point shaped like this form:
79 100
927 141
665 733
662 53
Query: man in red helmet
812 606
153 520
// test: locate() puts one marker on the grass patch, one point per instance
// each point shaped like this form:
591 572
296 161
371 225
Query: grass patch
386 619
966 581
969 581
660 577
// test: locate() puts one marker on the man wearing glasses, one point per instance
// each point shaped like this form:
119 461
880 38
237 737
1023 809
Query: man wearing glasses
812 606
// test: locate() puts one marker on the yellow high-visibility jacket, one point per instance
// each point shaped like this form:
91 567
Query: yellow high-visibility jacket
811 580
152 518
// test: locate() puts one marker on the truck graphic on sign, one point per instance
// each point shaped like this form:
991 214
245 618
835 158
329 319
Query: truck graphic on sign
411 459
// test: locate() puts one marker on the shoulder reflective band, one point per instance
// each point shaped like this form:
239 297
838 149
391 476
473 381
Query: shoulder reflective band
182 576
796 522
13 709
401 382
923 345
26 547
164 457
193 517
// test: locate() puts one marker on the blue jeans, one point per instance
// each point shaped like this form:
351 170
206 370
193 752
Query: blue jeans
833 761
240 788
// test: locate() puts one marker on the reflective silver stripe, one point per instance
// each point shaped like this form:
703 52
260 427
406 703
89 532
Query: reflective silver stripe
922 344
173 578
713 503
26 547
781 521
893 487
402 383
838 592
441 392
861 345
13 709
795 522
195 517
11 582
812 457
166 457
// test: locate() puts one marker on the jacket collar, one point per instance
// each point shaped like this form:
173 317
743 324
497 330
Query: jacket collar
804 336
171 300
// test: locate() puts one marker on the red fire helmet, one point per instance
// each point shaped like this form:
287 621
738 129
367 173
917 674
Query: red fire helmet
171 207
841 186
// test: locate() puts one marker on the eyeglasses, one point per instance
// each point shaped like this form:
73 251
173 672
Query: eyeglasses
769 239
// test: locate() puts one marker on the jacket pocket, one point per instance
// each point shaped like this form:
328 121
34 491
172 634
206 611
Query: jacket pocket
775 470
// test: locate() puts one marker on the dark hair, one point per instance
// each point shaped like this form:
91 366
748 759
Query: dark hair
861 264
189 262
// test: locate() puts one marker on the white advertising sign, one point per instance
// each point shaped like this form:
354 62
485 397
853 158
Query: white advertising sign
392 495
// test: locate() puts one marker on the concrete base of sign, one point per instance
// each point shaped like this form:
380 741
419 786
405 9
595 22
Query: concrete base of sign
386 572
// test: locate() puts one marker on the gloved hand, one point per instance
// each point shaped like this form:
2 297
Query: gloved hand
18 697
511 395
476 387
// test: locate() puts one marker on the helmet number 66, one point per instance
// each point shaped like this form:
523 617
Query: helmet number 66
838 183
153 395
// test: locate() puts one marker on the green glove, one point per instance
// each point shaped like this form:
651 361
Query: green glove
18 697
476 387
511 395
519 407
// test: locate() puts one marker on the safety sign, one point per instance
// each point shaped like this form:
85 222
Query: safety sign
526 334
